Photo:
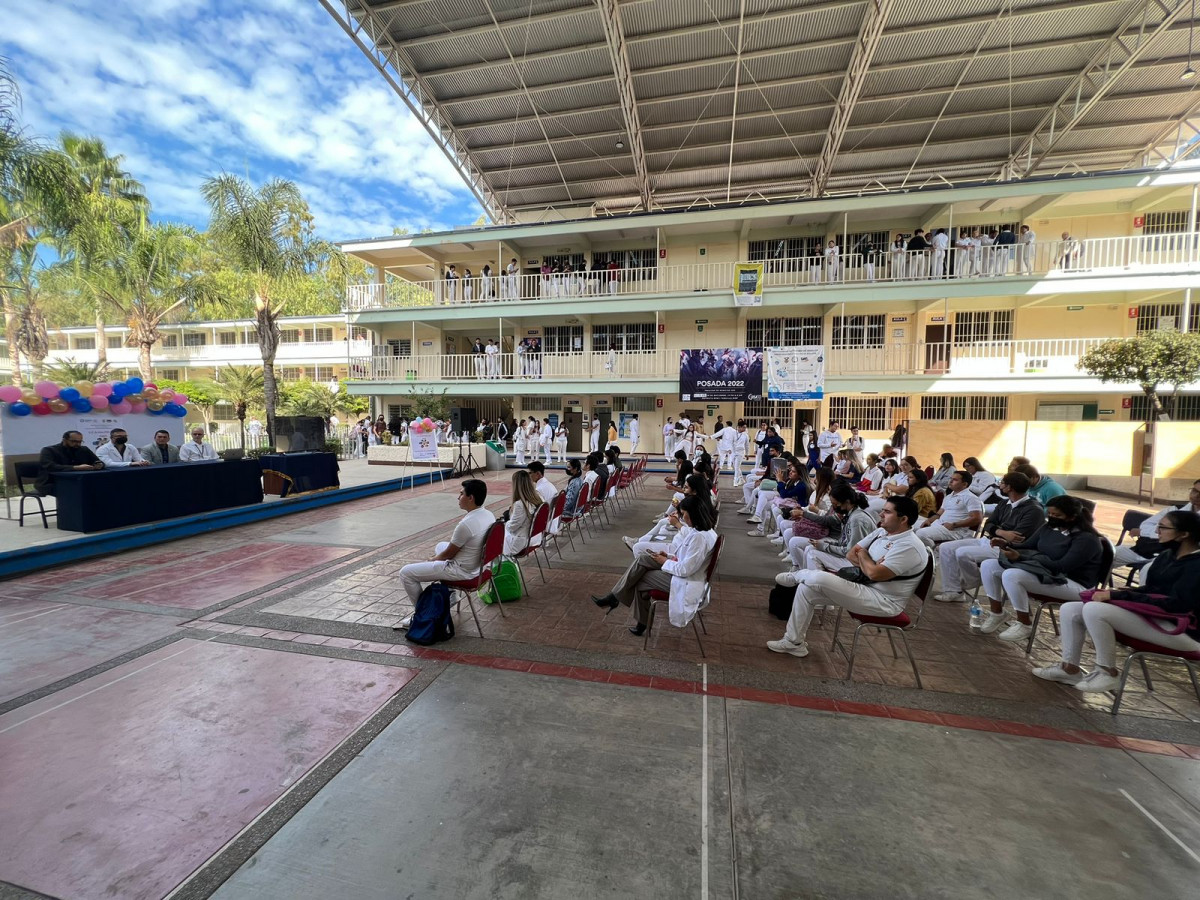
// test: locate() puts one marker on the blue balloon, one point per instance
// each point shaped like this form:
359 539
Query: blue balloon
156 412
118 392
81 404
69 394
134 385
19 408
178 411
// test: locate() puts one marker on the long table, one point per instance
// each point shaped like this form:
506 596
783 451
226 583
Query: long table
117 498
303 472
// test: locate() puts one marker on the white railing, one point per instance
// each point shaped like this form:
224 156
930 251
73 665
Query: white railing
326 352
981 359
1101 256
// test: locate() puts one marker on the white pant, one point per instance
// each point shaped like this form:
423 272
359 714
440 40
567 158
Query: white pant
1017 584
823 560
936 534
764 502
634 445
826 589
870 269
479 365
561 449
414 575
1125 556
939 264
546 451
749 491
1101 621
668 447
595 445
520 449
494 365
959 562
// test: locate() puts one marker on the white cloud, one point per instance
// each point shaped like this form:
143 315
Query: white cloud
186 88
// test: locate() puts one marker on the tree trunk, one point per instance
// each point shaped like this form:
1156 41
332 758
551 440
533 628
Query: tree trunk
101 339
241 417
10 335
1156 407
268 345
144 368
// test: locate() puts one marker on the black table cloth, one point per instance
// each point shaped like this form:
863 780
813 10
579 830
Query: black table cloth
117 498
303 472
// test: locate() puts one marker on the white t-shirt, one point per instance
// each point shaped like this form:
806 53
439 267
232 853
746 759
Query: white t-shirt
957 507
981 481
111 456
725 438
940 241
903 554
828 441
468 536
741 443
546 489
635 430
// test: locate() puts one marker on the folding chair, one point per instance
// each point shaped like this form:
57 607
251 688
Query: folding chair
1051 603
574 522
1143 651
657 597
537 530
1132 519
899 623
27 472
493 549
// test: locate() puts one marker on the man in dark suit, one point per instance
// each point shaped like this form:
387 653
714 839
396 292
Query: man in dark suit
162 451
70 455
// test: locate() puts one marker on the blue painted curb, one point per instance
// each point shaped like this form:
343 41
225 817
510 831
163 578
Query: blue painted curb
31 559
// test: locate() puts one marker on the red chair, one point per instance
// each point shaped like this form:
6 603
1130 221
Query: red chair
573 522
899 623
1142 651
929 471
556 511
493 549
537 541
657 597
1051 603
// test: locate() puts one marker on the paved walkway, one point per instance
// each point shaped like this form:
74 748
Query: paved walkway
233 713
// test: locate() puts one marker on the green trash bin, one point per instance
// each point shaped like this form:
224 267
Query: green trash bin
495 453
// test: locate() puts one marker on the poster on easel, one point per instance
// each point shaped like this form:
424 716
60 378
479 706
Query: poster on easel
424 447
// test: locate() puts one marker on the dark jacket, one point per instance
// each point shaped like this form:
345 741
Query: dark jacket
61 458
1006 238
797 491
1176 580
1076 555
765 444
1025 518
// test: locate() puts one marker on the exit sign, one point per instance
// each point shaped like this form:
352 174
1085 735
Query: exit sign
1107 412
1074 308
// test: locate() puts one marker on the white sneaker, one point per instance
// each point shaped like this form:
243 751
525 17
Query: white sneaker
785 555
785 646
788 579
745 510
993 621
952 597
755 532
1098 683
754 520
777 540
629 542
1056 672
1017 631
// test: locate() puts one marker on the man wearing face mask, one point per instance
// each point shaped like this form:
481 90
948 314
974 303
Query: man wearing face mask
117 453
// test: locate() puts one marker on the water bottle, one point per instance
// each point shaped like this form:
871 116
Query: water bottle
976 623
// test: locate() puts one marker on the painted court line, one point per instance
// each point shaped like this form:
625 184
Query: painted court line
1165 830
26 618
192 646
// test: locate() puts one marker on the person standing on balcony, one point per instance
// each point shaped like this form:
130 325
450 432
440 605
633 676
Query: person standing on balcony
544 281
451 285
523 357
610 361
833 260
1068 252
898 255
1001 251
614 276
866 252
635 435
918 254
962 255
940 244
534 353
468 286
493 359
1026 250
480 356
594 431
971 264
560 440
508 288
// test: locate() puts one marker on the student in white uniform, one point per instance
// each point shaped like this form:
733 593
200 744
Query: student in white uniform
740 453
961 514
635 435
595 434
560 442
519 518
493 359
1026 250
833 261
547 439
725 437
520 444
668 440
457 559
510 277
940 244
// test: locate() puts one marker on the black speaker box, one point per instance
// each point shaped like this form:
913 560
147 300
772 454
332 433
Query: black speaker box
462 419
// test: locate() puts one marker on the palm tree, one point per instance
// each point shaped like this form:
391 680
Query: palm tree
31 337
147 275
267 235
110 200
68 371
241 386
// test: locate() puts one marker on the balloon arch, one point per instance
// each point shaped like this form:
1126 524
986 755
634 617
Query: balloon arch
129 397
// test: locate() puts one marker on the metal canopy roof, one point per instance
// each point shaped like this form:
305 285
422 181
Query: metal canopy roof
654 104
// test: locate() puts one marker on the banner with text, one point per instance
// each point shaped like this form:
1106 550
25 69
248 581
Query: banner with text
796 373
728 374
748 284
424 447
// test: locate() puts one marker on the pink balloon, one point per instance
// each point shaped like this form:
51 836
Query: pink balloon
103 389
428 423
47 390
180 399
122 408
417 429
139 407
99 402
150 384
10 393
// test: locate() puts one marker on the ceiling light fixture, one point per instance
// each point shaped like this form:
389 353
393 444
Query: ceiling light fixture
621 143
1189 73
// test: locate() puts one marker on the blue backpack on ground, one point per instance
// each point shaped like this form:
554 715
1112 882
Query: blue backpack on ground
431 622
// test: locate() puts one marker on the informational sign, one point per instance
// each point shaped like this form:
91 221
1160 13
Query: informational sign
623 424
748 284
1139 221
726 374
424 447
796 373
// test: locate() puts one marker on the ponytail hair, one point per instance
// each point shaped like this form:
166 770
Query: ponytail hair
1076 510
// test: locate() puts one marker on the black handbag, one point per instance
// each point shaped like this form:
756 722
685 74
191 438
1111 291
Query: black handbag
854 574
780 602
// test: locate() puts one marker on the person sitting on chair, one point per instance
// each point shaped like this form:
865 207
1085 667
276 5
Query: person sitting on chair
70 455
196 450
519 518
544 486
1145 544
891 560
685 560
162 451
456 559
960 515
117 452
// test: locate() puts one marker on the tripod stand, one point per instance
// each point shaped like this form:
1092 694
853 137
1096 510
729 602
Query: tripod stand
465 464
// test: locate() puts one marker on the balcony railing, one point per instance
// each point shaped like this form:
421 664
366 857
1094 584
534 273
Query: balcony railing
1101 256
326 352
985 359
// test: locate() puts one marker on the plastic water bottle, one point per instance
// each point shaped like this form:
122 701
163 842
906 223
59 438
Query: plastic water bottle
976 623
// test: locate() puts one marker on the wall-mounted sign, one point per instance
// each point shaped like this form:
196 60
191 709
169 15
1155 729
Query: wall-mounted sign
662 252
1107 412
899 318
658 403
703 251
1126 403
1139 221
937 318
600 402
1074 308
702 321
573 403
1133 312
662 328
426 343
897 332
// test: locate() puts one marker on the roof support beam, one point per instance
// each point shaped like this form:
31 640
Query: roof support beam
1124 47
874 19
614 33
1151 199
1181 124
505 24
1039 205
933 215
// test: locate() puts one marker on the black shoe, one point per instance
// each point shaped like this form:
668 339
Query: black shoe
608 601
638 630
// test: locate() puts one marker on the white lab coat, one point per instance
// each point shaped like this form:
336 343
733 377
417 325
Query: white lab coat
691 549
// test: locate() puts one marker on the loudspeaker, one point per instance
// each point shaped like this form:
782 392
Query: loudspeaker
297 433
462 419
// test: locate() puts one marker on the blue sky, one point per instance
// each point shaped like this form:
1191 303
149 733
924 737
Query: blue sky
273 88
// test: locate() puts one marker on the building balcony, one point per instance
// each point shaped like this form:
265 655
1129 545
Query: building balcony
1061 267
215 355
907 366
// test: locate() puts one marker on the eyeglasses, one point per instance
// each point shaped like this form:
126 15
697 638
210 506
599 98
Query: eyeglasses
1162 527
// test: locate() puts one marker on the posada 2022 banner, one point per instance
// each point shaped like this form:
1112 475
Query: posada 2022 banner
724 374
